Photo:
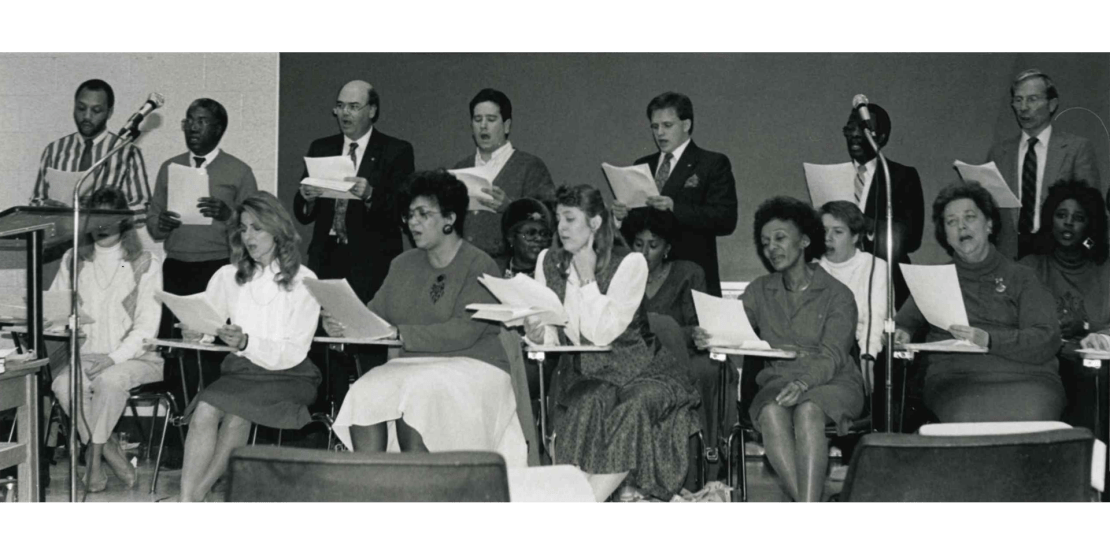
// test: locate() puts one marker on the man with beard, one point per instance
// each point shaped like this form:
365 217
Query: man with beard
92 108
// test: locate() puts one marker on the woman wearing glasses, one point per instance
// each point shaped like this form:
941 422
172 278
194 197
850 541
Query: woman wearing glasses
116 281
526 227
449 390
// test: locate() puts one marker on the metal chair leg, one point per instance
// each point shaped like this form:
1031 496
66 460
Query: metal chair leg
161 440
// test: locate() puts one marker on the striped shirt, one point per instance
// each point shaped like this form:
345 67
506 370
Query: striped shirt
125 171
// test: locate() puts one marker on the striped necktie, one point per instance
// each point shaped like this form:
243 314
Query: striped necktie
664 171
86 156
339 224
861 172
1028 188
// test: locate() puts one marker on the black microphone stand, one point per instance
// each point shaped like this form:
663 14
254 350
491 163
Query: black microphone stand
888 325
75 372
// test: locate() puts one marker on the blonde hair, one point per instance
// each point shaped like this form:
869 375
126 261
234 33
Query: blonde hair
271 217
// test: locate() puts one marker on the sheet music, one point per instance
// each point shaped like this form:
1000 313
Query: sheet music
936 291
631 185
523 291
946 346
829 182
475 180
186 186
193 311
341 302
61 184
330 173
509 315
991 179
727 322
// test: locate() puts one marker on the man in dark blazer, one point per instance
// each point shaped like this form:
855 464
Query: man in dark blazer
360 244
696 185
1056 155
908 205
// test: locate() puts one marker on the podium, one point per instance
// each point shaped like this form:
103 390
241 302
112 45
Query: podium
41 227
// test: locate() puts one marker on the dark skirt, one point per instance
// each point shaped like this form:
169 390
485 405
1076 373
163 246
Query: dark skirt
994 396
841 399
273 398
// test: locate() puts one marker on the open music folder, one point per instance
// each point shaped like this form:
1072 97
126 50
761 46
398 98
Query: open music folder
727 323
520 296
631 185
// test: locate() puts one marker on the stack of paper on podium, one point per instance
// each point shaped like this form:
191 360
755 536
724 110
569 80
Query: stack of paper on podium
727 323
60 184
520 297
186 186
475 179
991 179
341 302
330 173
55 308
829 182
194 312
631 185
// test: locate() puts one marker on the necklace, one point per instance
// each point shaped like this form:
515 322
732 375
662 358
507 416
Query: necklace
96 275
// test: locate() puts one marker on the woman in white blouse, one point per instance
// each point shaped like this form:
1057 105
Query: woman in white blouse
269 379
625 415
116 280
861 272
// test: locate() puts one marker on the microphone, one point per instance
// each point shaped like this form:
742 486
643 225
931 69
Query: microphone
859 103
152 103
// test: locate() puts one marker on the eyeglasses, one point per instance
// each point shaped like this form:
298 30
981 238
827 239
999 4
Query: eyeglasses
420 215
850 130
1031 99
353 108
535 234
189 123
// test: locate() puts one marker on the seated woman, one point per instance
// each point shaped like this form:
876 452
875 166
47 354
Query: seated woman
1010 313
862 272
269 380
526 227
802 308
629 412
669 289
116 281
450 389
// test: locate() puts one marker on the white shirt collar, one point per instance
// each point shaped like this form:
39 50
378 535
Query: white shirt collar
362 142
677 153
1042 139
497 157
208 158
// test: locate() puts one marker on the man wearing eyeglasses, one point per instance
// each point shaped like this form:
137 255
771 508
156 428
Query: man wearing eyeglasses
195 252
870 195
357 239
1036 158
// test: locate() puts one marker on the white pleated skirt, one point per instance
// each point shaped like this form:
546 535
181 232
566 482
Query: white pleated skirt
456 403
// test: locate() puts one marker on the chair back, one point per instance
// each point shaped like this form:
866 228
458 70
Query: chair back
278 474
1042 466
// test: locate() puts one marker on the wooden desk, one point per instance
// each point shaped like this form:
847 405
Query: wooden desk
18 390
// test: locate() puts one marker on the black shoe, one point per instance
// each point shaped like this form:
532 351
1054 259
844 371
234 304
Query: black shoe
171 461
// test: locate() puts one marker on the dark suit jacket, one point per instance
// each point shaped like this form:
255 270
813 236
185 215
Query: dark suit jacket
908 219
704 194
374 234
1069 157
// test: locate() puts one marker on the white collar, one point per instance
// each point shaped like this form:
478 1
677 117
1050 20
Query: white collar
1042 138
870 165
676 154
208 158
361 141
498 155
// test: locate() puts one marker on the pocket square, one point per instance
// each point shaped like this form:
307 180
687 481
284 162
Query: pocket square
691 182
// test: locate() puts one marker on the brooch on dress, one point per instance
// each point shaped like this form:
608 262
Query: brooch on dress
999 286
437 288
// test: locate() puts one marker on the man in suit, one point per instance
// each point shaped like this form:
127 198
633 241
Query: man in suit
696 185
1036 158
514 174
908 204
357 239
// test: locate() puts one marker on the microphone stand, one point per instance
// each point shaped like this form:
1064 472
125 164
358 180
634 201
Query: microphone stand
75 372
888 325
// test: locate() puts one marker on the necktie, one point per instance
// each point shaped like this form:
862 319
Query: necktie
339 224
198 160
86 156
664 171
1028 189
861 172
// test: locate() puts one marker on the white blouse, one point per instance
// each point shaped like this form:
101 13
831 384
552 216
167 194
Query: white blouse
856 274
103 286
280 323
596 317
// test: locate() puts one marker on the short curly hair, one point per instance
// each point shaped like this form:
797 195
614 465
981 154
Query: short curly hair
1091 200
801 214
660 223
449 193
969 190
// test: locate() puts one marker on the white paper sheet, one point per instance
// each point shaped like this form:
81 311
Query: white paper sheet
726 322
511 316
946 346
330 173
936 291
475 180
186 187
193 311
523 291
632 185
62 184
341 302
829 182
991 179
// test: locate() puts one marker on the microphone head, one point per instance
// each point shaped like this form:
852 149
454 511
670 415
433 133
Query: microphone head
858 100
157 100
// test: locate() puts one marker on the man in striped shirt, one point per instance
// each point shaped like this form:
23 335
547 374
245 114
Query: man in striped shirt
77 152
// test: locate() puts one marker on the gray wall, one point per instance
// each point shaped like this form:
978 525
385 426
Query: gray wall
767 112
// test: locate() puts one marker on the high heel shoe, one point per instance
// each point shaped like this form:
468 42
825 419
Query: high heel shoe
97 484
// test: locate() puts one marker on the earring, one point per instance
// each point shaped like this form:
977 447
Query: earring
448 229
